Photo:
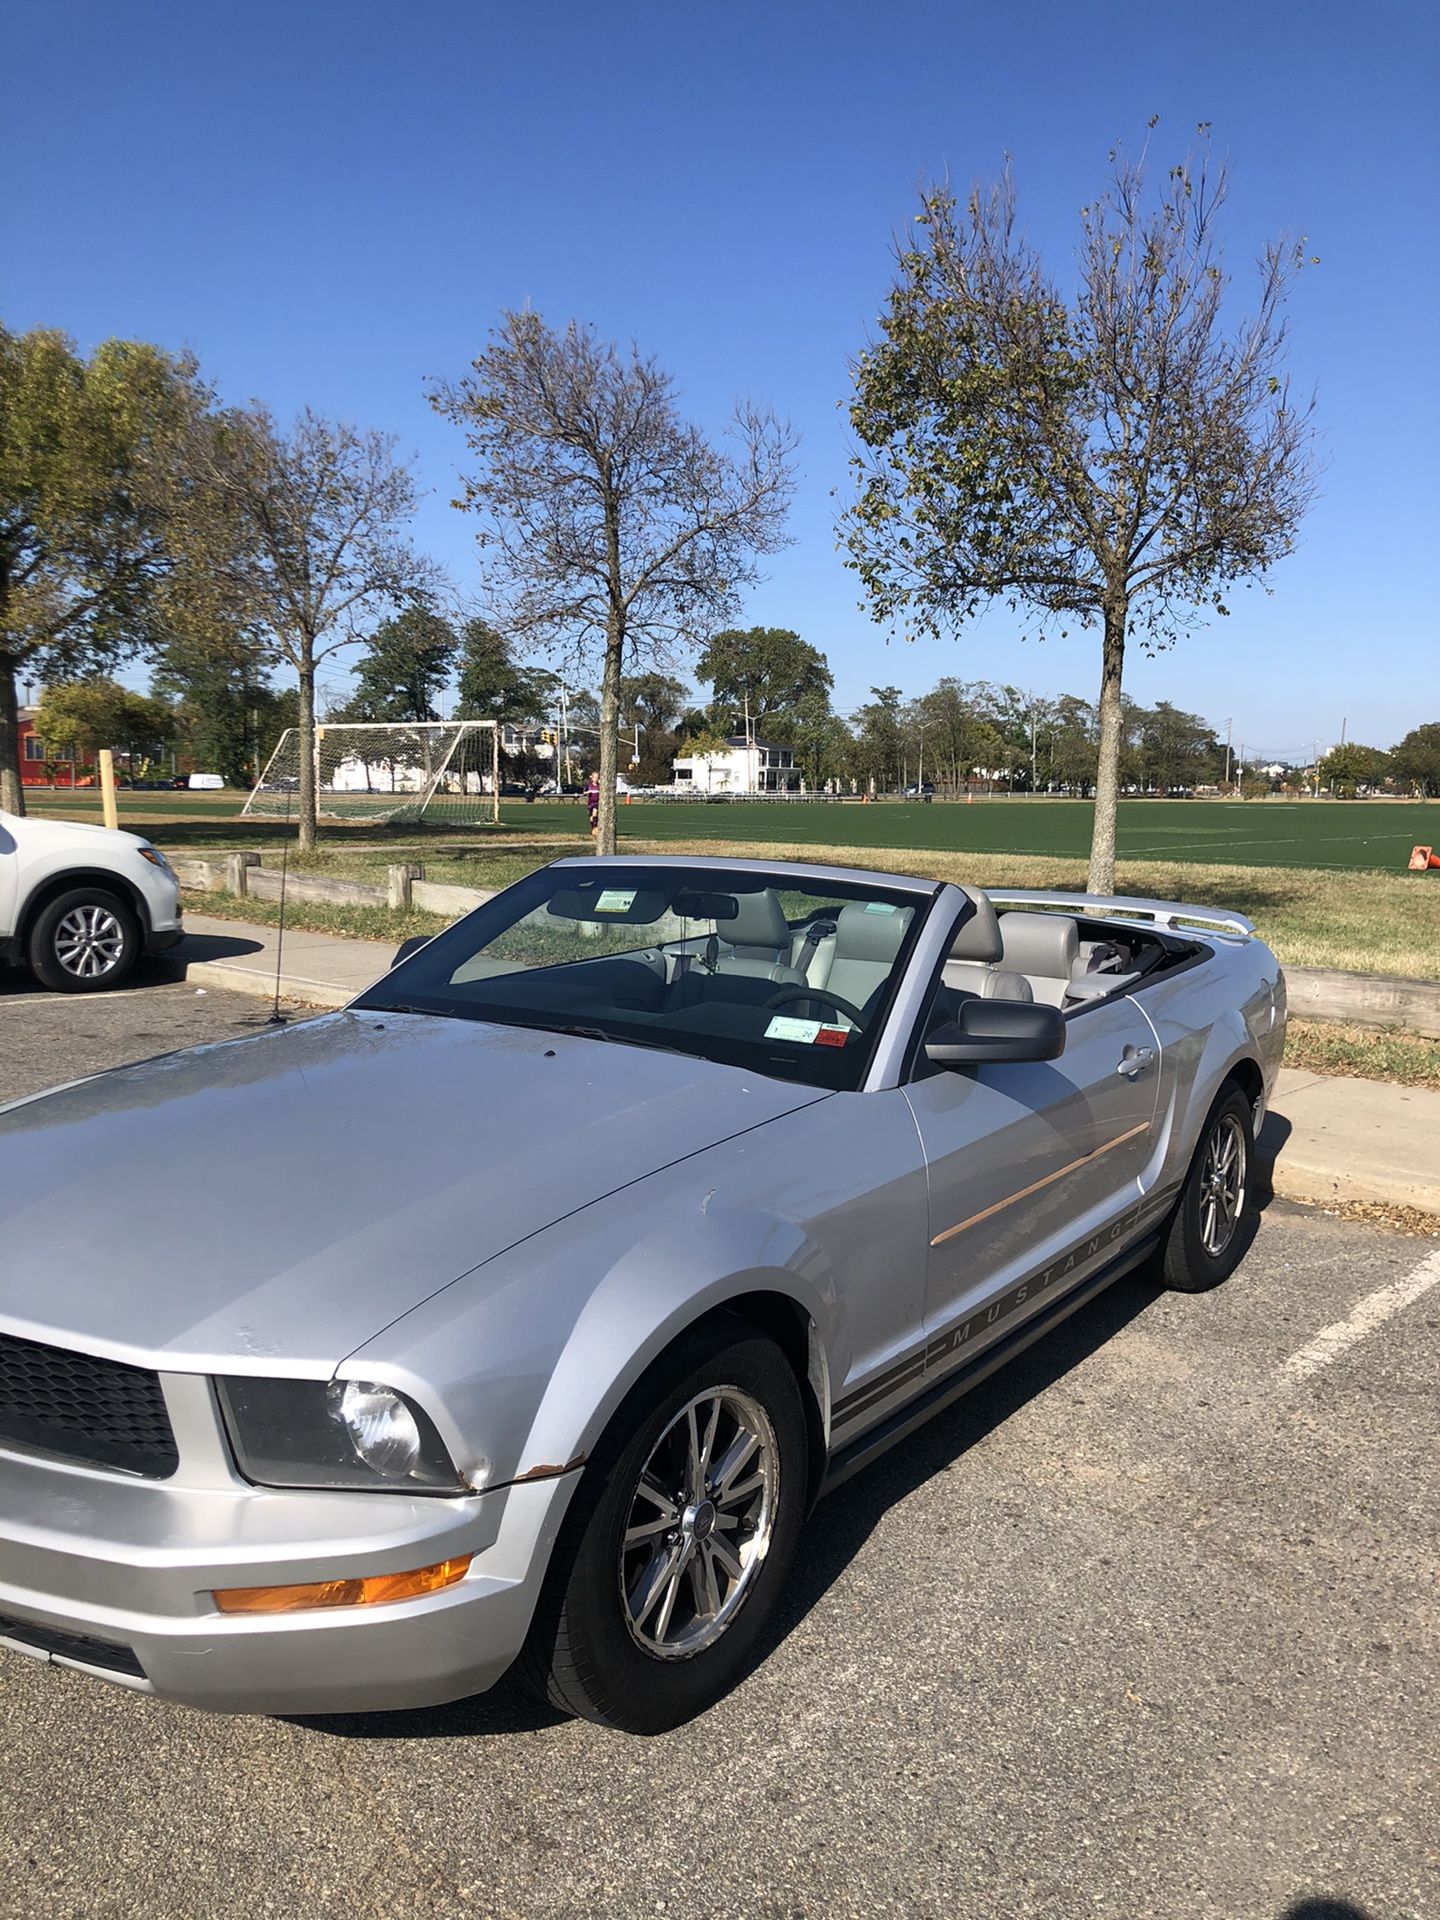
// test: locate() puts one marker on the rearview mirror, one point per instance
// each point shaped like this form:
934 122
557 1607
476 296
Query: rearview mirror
993 1030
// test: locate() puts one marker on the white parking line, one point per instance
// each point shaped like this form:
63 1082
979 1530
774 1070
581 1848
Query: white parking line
1363 1318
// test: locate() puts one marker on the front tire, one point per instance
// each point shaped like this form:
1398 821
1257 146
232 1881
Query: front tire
1214 1222
84 941
679 1538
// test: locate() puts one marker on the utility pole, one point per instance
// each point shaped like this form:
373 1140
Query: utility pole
750 781
1228 726
1032 748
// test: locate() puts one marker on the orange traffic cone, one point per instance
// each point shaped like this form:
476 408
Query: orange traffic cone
1423 857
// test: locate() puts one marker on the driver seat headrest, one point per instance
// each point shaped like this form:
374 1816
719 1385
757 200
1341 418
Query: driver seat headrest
978 937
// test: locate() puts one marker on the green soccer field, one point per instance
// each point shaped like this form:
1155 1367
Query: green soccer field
1356 836
1343 836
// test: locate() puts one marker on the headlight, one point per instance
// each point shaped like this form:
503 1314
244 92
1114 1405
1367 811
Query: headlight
156 858
336 1433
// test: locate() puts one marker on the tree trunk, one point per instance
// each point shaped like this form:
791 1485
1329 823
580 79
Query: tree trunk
12 794
1107 770
305 839
609 731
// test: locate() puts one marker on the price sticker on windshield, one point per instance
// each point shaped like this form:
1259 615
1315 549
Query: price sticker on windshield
810 1033
785 1026
615 900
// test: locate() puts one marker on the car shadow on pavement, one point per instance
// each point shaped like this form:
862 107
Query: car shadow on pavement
197 947
1324 1908
1268 1148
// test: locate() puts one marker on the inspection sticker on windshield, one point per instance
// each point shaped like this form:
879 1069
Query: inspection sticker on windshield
615 900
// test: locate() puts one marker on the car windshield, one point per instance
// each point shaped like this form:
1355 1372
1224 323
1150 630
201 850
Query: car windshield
786 975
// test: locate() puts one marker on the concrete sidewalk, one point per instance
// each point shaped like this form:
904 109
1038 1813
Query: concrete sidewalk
1329 1139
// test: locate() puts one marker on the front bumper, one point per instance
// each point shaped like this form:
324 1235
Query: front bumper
133 1564
161 939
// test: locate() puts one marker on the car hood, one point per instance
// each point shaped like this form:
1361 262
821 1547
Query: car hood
267 1205
70 832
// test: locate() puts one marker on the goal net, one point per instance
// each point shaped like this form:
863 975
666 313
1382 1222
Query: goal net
380 771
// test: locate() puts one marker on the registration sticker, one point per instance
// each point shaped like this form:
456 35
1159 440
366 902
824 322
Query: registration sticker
785 1027
615 900
831 1037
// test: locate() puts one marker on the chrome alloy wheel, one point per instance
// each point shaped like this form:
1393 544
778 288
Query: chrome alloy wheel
1222 1185
89 942
699 1524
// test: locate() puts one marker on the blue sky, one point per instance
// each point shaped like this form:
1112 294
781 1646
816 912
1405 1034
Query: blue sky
330 203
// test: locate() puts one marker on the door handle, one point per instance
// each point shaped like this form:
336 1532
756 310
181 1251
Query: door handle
1135 1060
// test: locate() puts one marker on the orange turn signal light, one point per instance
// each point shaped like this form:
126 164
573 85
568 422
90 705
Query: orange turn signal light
372 1591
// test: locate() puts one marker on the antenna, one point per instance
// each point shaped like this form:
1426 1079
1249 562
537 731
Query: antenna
277 1019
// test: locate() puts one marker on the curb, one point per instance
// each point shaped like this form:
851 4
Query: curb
293 986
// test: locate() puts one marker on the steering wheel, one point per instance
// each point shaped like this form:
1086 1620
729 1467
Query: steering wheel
788 995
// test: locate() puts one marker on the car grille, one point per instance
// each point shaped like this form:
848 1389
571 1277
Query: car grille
101 1412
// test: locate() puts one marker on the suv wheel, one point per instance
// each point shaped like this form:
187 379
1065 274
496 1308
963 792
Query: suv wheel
678 1539
84 941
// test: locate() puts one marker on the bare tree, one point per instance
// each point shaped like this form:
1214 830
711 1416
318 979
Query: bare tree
1119 457
606 515
306 531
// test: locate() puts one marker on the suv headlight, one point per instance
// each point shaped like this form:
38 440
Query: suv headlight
334 1433
156 859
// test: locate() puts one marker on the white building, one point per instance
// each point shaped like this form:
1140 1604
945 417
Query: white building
745 766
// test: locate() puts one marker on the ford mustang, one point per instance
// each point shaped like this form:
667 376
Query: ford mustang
521 1311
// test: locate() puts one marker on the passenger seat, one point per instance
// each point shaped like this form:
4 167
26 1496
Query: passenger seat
867 938
972 967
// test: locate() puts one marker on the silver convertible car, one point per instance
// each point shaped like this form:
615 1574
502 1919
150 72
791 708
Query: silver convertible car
521 1311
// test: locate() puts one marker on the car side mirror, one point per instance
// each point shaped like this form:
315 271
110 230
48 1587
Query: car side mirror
995 1030
407 947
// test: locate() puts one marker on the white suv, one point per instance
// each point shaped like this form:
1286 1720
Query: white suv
80 904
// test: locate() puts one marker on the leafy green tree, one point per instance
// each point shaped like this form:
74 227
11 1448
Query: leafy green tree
606 515
229 717
492 685
1416 759
655 703
87 715
90 469
878 739
1351 766
771 668
1174 748
824 745
405 668
1112 456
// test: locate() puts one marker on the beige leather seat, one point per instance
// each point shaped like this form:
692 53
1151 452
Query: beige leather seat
974 966
1044 948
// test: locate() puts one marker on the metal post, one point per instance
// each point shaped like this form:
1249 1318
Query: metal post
495 772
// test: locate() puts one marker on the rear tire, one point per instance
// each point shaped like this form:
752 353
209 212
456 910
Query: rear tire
1215 1218
84 941
644 1620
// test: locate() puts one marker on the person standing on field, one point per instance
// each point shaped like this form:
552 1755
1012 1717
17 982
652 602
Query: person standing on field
592 802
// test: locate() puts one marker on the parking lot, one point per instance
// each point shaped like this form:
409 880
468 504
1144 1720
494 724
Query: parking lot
1145 1628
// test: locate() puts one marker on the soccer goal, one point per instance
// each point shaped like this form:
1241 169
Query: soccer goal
380 771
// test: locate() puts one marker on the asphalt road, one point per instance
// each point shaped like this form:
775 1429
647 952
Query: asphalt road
1146 1628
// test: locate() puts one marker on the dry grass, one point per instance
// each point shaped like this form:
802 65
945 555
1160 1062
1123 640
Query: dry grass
1363 1053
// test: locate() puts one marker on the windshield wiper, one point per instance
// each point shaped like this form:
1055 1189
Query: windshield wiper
615 1039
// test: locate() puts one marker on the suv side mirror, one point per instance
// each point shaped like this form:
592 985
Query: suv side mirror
993 1030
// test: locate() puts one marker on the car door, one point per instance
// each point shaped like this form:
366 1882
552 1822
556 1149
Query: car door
1036 1171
